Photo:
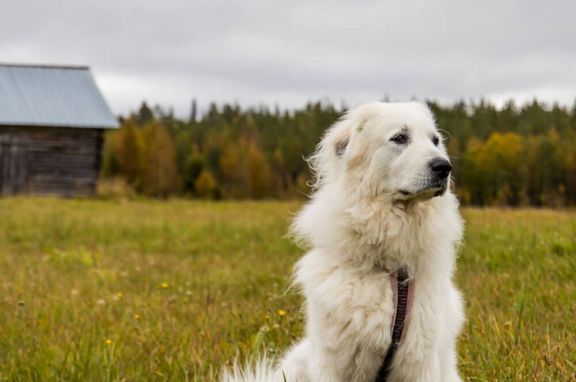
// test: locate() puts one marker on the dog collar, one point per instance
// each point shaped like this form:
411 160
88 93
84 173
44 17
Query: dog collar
403 296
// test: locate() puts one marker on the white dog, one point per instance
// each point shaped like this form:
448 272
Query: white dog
382 203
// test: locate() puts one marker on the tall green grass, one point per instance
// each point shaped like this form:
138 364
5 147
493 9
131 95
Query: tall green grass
150 290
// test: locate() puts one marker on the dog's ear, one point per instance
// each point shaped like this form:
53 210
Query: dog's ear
342 131
340 146
334 144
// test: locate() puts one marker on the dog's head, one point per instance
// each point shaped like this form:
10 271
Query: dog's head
390 150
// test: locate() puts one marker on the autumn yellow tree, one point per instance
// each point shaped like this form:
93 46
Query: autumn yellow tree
259 173
500 161
160 177
205 185
130 151
231 164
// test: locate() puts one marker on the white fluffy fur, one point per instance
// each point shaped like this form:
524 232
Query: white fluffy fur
359 228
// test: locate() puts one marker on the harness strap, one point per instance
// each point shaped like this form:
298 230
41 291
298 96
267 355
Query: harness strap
401 285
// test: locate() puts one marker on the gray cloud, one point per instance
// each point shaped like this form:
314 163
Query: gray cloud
286 53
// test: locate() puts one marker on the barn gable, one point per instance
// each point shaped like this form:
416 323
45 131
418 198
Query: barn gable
52 120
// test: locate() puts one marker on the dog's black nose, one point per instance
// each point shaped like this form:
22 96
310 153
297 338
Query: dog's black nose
440 167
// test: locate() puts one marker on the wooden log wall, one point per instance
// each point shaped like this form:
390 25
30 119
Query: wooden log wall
49 160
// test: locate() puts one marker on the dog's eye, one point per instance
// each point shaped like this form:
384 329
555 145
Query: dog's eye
400 139
435 140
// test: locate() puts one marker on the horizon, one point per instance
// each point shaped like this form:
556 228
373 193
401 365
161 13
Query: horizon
343 106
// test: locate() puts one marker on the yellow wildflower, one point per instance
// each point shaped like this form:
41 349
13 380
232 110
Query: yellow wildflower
281 312
108 341
165 285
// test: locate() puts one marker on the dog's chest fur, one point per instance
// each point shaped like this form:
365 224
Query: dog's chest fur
350 312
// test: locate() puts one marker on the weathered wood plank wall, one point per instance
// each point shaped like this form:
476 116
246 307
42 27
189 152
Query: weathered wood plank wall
49 160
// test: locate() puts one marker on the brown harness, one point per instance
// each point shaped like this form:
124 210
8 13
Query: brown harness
403 291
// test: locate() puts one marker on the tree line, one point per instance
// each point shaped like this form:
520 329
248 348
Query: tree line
509 156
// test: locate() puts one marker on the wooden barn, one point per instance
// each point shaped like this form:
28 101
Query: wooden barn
52 122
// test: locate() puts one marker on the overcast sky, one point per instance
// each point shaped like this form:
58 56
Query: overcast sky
288 52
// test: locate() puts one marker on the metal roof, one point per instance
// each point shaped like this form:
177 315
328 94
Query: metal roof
43 95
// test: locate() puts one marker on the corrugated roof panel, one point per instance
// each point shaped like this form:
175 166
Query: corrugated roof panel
52 96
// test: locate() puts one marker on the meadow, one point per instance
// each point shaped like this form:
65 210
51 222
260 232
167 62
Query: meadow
104 290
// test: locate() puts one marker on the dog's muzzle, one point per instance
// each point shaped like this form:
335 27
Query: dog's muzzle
440 168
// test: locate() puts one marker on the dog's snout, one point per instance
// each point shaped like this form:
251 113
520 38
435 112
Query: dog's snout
440 167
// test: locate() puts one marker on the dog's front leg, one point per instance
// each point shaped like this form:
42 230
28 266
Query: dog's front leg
331 349
449 366
326 367
425 370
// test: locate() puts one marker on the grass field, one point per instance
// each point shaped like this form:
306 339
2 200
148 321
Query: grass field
151 290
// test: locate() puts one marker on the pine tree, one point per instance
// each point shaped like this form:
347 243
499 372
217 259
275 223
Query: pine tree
193 112
145 115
